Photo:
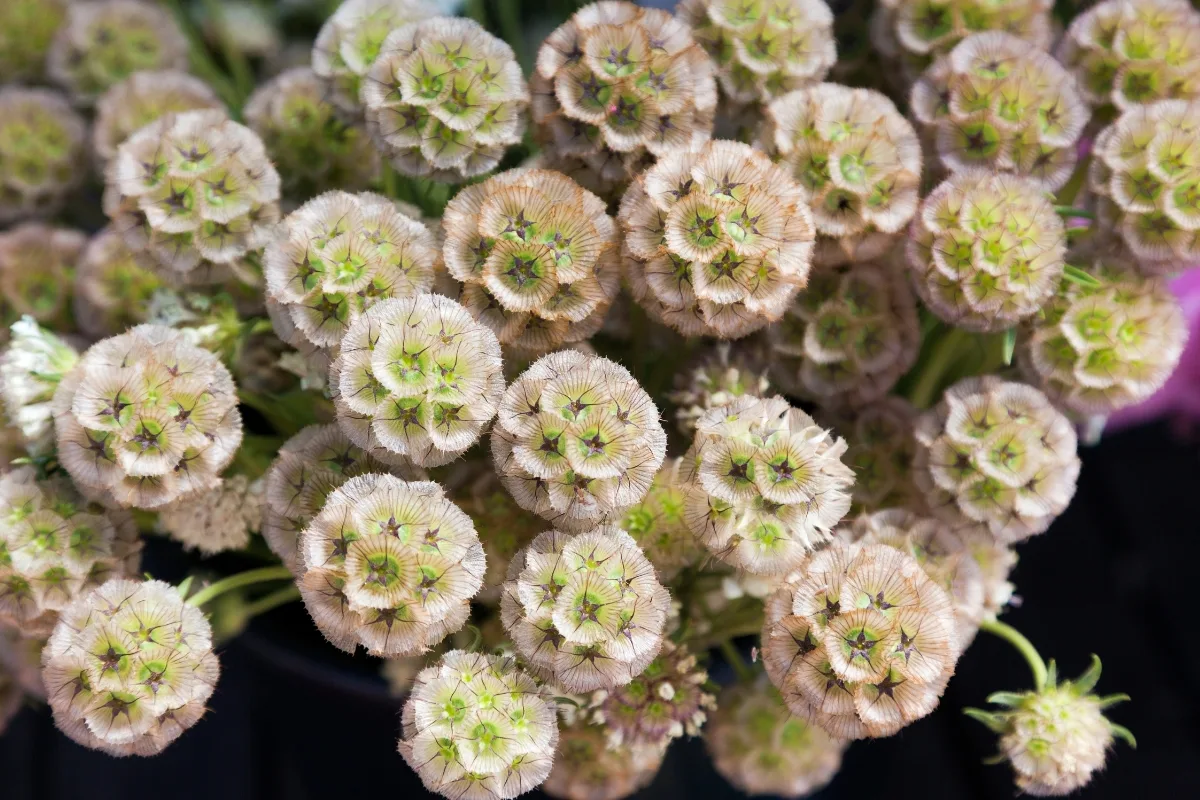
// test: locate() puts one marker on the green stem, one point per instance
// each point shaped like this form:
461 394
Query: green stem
277 598
235 59
944 354
248 578
1014 637
1071 211
201 62
735 660
508 17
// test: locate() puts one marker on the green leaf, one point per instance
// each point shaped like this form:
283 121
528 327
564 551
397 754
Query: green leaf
996 723
1083 278
1051 674
1088 680
1072 211
1008 699
1010 345
1113 699
1124 734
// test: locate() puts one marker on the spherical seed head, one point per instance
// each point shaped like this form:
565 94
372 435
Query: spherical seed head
996 456
720 376
577 441
766 485
37 265
192 189
986 250
616 84
217 520
588 767
586 610
1056 740
339 254
881 449
26 30
350 41
147 417
310 465
418 377
849 336
391 565
1126 53
537 257
1145 175
858 159
31 367
764 48
504 528
862 643
313 150
657 523
143 97
55 546
445 99
718 240
112 287
477 726
129 667
102 43
42 150
761 747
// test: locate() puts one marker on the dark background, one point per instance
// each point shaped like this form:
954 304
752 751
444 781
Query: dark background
1115 575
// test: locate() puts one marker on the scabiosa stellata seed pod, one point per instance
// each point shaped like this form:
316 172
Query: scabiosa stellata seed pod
310 465
129 667
503 527
859 160
761 747
147 417
617 84
312 149
996 455
37 266
537 256
350 41
42 152
861 642
1126 53
55 545
656 523
1096 349
881 447
588 767
477 726
849 336
1145 177
418 377
445 99
577 440
142 98
391 565
26 30
986 250
336 256
765 484
102 43
585 610
763 48
1001 104
216 520
722 375
112 288
31 367
718 240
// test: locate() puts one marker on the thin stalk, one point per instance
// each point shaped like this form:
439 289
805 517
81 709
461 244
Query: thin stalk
277 598
201 62
1072 212
235 59
736 661
1014 637
508 18
248 578
944 354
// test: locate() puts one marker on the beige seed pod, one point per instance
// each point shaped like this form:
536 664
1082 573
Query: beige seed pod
143 97
217 520
720 376
881 447
37 266
588 767
43 152
657 523
112 287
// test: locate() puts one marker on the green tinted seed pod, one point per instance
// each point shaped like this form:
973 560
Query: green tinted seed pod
37 267
42 152
218 520
112 287
656 523
503 526
721 376
588 767
26 29
881 450
142 98
31 368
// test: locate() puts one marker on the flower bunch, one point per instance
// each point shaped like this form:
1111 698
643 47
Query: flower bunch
143 97
42 147
37 266
113 288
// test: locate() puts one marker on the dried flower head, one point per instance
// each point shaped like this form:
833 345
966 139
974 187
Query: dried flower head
719 377
147 417
997 456
313 150
140 99
42 151
765 484
1097 349
657 523
718 240
1001 104
217 520
477 726
1145 175
351 40
1126 53
859 160
26 29
31 367
129 667
310 465
190 190
588 767
577 440
763 48
112 288
418 377
986 250
445 99
760 747
102 43
586 610
537 256
617 84
391 565
336 256
849 336
55 545
862 642
881 447
37 266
